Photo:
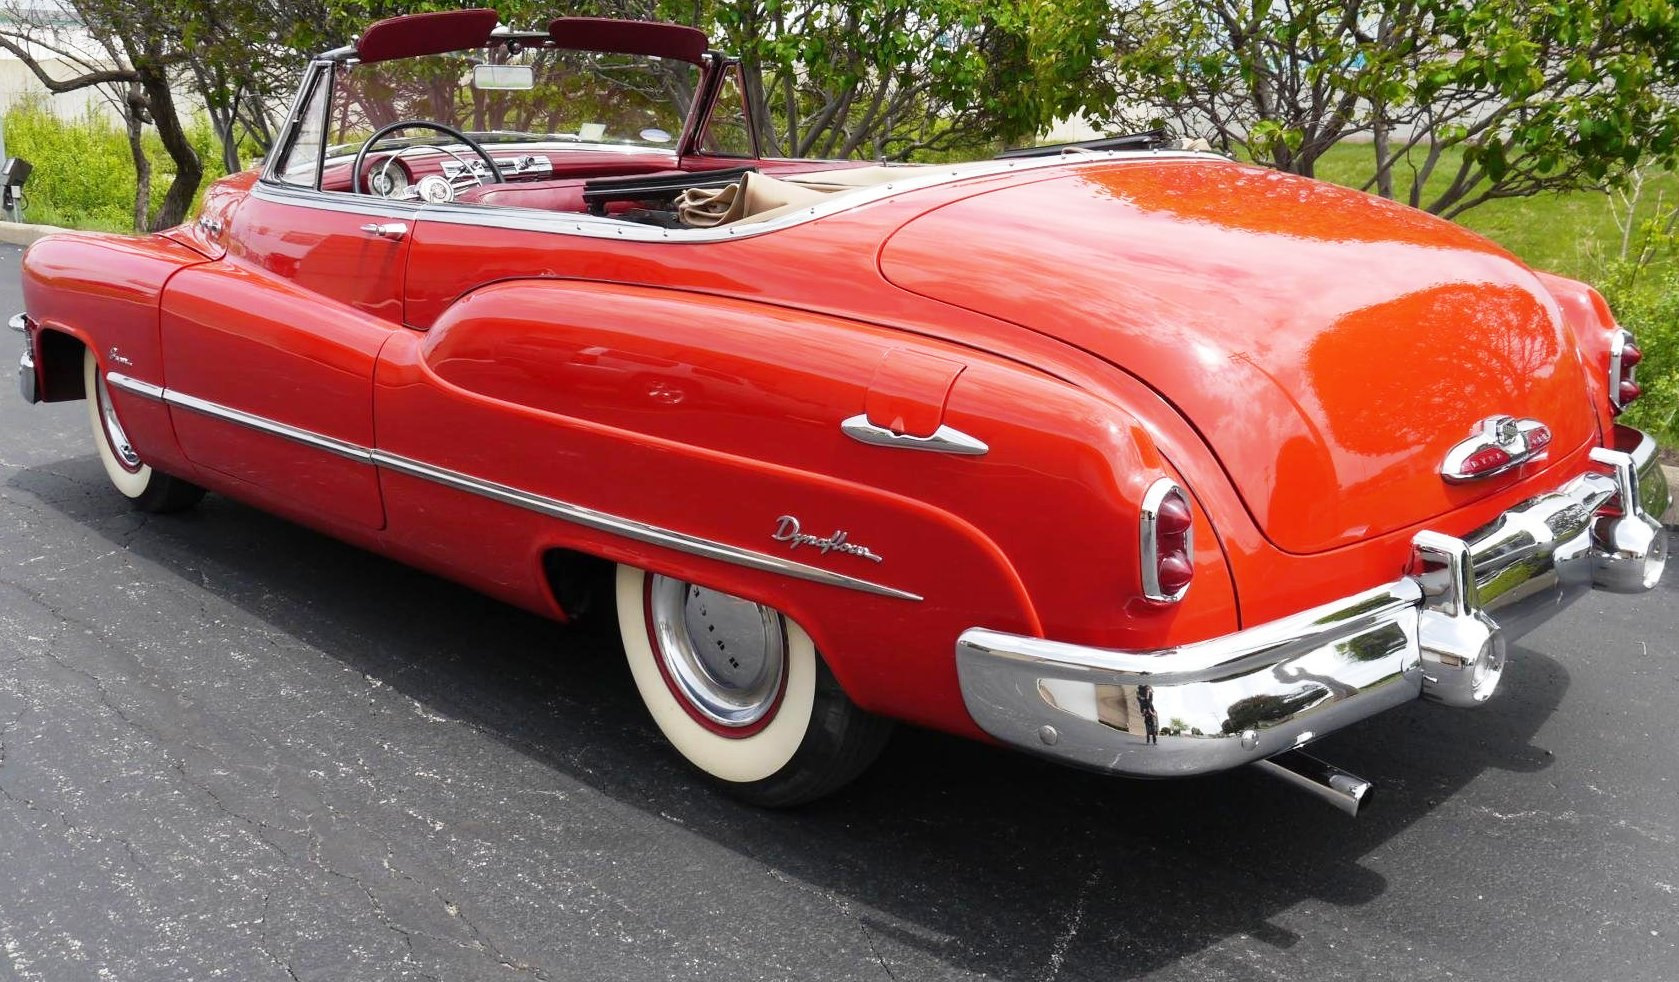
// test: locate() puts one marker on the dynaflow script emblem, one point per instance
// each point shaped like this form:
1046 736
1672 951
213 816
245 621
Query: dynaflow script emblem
787 530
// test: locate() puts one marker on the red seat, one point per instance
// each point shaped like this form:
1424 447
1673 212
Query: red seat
554 195
566 195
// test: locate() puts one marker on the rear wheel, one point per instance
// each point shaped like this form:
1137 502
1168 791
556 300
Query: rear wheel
149 490
739 690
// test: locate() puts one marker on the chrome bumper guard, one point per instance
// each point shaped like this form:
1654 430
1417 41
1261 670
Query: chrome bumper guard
1439 632
25 364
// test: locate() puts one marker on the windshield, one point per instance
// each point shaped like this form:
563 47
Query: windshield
497 96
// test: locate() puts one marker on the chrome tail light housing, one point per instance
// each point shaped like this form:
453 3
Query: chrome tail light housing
1624 356
1168 542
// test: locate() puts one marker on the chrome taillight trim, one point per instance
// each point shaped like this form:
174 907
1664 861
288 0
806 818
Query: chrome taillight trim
1617 345
1513 436
1148 547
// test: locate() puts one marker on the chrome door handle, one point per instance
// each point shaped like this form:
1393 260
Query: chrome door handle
388 230
945 439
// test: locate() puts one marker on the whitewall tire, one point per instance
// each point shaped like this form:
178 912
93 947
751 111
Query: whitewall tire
148 489
740 692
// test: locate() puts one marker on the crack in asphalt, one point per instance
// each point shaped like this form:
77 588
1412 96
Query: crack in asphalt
1071 928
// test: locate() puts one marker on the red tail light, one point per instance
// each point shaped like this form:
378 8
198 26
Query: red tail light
1173 516
1624 356
1175 574
1168 547
1483 460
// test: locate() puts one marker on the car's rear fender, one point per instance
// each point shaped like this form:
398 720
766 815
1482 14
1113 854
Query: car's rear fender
1594 328
714 418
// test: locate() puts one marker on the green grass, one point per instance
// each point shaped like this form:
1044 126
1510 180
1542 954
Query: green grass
1573 233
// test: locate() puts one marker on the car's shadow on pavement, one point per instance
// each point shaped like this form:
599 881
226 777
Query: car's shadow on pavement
991 861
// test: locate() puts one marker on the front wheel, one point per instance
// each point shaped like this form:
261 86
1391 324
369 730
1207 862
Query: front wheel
739 690
148 489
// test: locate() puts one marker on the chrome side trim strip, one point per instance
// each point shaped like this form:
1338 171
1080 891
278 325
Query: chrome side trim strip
260 423
537 220
305 437
945 439
541 504
134 386
629 528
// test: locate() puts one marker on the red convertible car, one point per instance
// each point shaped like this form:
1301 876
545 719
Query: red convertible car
1147 461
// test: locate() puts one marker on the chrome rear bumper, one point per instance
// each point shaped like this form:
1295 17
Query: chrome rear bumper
1439 632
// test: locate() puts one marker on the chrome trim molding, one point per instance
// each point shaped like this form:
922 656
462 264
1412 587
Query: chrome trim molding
945 439
629 528
249 420
19 322
553 507
265 425
537 220
134 386
1439 631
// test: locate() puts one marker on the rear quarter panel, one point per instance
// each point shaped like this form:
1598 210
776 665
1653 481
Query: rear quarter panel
715 417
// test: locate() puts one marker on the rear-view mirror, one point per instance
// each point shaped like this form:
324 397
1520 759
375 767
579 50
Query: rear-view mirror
502 77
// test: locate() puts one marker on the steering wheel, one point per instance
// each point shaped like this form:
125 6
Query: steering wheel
491 175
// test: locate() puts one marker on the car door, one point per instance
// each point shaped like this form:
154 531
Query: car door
269 352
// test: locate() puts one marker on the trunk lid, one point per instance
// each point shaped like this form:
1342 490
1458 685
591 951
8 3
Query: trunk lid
1330 346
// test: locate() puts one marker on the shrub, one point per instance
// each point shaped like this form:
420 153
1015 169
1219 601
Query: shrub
1652 313
84 175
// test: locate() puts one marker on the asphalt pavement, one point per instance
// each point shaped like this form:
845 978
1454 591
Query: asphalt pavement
231 748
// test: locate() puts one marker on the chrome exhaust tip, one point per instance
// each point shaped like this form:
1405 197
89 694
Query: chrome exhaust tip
1348 792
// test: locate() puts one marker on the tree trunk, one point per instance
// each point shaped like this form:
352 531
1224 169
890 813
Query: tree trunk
1384 166
133 108
225 123
189 171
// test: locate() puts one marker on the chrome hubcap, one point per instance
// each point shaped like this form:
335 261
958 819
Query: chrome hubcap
725 656
114 435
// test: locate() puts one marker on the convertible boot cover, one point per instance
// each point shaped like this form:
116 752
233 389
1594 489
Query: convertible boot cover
754 194
761 198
